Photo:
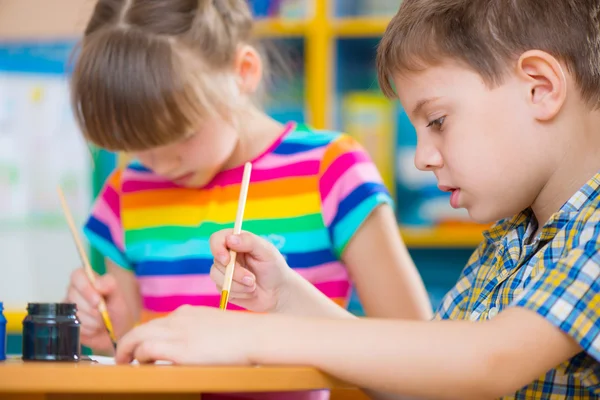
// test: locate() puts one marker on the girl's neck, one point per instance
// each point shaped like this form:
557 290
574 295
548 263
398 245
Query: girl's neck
257 131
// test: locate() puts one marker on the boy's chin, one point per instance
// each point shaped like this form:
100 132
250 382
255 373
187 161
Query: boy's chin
485 215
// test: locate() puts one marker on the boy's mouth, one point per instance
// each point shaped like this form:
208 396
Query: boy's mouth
454 194
445 188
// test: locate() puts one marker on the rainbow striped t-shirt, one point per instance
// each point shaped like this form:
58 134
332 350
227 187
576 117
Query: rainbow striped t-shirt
309 193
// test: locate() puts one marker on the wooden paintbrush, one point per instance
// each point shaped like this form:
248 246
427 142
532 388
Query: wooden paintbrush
87 266
237 228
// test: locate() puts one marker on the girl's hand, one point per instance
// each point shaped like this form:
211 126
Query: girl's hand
261 276
87 297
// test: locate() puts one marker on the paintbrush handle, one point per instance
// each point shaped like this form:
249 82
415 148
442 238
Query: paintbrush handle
237 229
86 265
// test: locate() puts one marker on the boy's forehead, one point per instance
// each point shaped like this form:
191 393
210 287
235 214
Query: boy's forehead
414 88
429 83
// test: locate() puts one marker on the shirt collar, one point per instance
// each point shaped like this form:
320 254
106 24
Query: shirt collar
578 201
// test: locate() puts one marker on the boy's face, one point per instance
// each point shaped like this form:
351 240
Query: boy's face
481 143
195 160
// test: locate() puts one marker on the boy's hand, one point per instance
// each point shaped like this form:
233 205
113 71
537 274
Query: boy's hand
261 274
87 298
190 335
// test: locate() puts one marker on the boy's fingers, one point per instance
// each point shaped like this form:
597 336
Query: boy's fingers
238 289
223 241
237 295
218 246
217 275
240 275
153 350
156 329
128 344
249 243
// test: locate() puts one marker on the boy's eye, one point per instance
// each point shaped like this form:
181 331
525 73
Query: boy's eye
437 123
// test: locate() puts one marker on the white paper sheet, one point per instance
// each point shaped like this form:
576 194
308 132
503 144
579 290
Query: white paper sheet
111 361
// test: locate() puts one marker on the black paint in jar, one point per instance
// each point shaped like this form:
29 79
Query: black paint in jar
51 332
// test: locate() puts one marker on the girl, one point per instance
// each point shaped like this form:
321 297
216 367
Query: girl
173 83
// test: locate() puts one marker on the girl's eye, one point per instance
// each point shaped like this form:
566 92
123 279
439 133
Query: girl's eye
437 124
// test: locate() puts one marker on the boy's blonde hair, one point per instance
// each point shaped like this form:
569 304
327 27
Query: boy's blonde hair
148 71
486 35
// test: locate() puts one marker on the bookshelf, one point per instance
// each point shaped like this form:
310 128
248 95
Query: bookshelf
321 32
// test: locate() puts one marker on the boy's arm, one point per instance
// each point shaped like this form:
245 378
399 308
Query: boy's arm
440 359
553 318
386 279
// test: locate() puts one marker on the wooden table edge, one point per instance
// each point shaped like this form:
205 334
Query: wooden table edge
36 377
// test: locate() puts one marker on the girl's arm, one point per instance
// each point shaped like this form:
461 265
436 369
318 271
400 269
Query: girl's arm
385 276
131 293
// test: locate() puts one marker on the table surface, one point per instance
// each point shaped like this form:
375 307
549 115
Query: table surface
17 376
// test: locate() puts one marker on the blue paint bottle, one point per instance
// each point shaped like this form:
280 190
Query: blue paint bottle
2 333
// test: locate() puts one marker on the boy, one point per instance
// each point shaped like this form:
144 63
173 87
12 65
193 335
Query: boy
504 96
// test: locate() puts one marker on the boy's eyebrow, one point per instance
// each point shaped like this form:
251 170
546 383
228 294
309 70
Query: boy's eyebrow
422 103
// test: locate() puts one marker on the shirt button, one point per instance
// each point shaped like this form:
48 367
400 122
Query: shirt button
493 312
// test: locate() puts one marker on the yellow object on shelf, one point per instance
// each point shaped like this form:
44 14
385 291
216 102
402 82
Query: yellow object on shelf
360 26
368 117
14 320
274 27
468 236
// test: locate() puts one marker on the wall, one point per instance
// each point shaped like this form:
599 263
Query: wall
37 261
43 19
37 251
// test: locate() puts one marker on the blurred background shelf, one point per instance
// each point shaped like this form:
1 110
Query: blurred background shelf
341 27
359 26
280 27
442 237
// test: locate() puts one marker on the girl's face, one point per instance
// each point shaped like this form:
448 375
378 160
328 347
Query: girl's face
195 160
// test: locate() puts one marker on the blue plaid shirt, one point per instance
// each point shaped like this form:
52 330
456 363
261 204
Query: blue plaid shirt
557 275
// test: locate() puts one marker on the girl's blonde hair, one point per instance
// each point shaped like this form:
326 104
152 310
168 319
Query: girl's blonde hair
148 72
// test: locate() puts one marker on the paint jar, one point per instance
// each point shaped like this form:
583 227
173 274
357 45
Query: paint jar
51 332
2 333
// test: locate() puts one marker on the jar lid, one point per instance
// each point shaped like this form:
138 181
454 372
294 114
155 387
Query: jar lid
51 309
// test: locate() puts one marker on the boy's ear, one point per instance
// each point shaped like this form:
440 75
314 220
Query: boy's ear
545 82
248 69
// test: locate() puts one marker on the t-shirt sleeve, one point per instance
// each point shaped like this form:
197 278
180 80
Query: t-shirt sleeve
103 228
567 293
350 187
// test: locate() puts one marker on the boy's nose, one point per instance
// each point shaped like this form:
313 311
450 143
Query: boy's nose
428 157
